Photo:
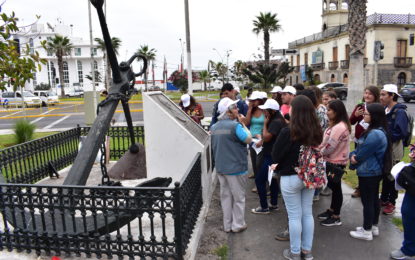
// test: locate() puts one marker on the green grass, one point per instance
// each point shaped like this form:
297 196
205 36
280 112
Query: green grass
9 140
398 223
222 252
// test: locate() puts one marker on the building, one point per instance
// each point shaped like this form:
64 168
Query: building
75 66
327 52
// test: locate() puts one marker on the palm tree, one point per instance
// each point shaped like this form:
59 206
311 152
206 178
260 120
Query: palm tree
61 46
205 77
116 43
150 55
220 69
357 38
266 23
238 68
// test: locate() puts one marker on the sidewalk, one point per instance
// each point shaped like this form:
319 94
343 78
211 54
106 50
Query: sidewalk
258 241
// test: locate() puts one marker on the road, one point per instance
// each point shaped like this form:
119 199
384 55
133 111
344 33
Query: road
70 114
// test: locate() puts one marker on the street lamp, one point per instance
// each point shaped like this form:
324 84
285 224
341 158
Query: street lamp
221 59
182 43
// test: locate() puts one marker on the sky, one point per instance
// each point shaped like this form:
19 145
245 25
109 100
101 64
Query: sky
215 24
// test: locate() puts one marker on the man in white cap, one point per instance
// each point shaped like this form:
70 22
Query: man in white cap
276 94
287 95
398 131
229 139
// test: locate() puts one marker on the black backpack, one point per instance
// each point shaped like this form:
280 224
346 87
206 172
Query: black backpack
406 179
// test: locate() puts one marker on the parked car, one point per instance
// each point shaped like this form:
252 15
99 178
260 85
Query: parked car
153 88
75 93
339 88
15 99
408 92
48 97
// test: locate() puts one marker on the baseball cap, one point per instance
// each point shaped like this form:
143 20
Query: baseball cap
237 89
276 89
255 95
224 103
270 104
391 88
263 94
289 89
185 100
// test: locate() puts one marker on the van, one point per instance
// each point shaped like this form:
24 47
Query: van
48 97
15 99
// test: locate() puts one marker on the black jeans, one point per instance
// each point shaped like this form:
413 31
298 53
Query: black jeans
389 193
369 193
337 194
261 180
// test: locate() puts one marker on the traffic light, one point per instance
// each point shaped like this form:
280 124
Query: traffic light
378 53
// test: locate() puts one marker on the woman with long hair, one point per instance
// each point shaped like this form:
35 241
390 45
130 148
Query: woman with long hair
191 107
335 149
369 159
304 129
273 124
371 95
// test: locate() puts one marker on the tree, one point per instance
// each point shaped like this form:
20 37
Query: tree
205 77
357 38
267 74
283 70
16 67
266 23
179 79
60 46
98 77
220 70
150 55
237 70
116 43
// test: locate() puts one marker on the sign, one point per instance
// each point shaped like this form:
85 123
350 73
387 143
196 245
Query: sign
303 72
318 57
283 52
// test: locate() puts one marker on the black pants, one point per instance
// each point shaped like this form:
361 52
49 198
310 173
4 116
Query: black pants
389 193
337 194
254 160
369 193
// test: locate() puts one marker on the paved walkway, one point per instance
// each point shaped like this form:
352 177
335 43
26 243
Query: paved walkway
258 242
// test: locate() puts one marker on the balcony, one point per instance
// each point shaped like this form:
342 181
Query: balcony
318 66
402 62
333 65
344 64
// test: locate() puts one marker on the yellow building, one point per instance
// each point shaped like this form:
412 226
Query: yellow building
327 52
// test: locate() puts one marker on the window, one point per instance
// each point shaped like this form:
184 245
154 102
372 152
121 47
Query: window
345 78
77 51
94 51
401 48
80 72
65 73
298 60
95 65
292 60
51 73
401 79
305 58
333 78
347 52
334 53
31 46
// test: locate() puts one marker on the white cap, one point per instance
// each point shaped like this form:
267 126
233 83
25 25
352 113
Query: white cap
185 100
270 104
224 103
276 89
391 88
289 89
255 95
237 89
263 94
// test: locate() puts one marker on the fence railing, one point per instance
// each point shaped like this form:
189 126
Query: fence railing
137 222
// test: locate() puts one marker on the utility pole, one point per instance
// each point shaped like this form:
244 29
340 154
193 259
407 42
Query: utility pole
189 56
94 99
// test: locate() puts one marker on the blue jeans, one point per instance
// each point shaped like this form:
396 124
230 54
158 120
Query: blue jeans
408 221
261 180
299 202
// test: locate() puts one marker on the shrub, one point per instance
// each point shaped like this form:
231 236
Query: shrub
24 131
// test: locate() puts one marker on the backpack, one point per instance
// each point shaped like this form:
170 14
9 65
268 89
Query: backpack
311 167
410 127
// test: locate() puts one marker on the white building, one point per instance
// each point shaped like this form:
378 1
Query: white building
76 66
327 52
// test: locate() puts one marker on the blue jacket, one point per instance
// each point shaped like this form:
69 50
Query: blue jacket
369 153
397 122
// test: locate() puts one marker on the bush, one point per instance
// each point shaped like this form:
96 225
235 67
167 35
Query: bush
24 131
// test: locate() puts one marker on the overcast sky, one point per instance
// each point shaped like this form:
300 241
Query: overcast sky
221 24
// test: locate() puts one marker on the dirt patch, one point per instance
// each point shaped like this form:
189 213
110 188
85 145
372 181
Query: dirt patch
213 236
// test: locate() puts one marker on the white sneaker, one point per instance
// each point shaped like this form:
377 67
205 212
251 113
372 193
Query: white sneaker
375 230
362 234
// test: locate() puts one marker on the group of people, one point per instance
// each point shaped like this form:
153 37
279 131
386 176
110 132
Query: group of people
277 129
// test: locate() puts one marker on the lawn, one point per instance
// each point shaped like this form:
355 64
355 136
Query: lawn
9 140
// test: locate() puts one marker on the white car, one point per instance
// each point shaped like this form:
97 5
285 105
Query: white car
48 97
15 99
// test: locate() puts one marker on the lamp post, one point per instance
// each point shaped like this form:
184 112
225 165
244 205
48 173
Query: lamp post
189 53
182 43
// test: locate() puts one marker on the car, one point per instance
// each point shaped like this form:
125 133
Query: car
75 93
48 97
15 99
339 88
408 92
153 88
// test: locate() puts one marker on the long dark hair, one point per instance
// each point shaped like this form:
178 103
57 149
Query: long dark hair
341 114
304 125
276 115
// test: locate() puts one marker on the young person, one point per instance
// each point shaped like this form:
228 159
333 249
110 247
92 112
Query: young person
273 124
371 95
287 96
298 199
328 96
335 149
368 159
276 94
191 107
398 130
229 139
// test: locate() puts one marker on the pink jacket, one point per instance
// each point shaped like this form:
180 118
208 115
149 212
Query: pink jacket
336 144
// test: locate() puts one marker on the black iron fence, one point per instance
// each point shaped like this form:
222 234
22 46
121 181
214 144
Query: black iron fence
136 222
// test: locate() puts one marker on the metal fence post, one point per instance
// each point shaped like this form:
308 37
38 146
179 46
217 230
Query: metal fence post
178 221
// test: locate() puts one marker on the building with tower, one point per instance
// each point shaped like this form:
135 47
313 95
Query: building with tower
389 51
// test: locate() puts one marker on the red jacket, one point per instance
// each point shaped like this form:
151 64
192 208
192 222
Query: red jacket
356 120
